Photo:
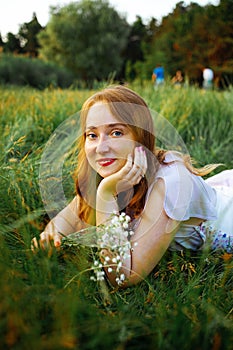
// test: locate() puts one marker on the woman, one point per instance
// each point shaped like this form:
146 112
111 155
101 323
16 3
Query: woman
119 170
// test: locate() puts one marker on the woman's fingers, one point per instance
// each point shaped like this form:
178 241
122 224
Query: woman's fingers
133 171
34 244
141 160
139 166
128 165
57 240
46 238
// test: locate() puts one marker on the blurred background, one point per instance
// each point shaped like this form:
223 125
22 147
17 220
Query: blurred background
84 42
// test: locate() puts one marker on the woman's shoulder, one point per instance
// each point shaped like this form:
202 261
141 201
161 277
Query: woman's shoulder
173 156
186 194
173 167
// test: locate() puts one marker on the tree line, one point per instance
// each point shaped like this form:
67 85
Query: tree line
93 41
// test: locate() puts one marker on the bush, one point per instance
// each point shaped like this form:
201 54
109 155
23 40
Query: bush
18 70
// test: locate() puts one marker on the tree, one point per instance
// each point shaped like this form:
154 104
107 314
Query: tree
28 36
221 50
12 44
88 37
134 50
192 37
1 43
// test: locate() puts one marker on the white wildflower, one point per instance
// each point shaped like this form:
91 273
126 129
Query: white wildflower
114 236
122 277
114 220
125 225
127 218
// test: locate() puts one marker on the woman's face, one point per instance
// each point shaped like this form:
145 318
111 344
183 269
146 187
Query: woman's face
108 141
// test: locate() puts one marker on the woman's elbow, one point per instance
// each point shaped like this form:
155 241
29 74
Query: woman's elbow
125 280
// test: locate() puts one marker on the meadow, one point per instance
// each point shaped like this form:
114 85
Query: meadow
47 300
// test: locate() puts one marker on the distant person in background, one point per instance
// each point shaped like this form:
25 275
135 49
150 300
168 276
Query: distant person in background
208 77
158 76
178 79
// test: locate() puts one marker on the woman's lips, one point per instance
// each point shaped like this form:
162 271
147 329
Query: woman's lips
106 161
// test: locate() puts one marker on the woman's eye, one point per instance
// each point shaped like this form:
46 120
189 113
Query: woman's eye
117 133
91 135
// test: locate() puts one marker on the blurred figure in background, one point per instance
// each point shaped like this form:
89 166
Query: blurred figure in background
208 77
158 76
178 79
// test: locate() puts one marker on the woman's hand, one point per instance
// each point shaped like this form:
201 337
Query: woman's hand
48 238
129 175
124 179
66 222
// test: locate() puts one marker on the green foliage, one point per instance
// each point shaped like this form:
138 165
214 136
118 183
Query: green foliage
133 53
28 35
47 300
19 70
87 37
25 41
13 44
189 39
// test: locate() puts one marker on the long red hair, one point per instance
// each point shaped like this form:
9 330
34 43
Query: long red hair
129 108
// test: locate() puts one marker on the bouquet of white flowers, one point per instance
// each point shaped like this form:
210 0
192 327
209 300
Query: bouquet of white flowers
114 236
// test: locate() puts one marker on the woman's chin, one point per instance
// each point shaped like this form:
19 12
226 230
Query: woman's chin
107 172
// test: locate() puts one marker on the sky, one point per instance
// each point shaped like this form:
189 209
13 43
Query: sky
13 13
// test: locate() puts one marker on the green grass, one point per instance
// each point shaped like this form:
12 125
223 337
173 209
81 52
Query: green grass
47 301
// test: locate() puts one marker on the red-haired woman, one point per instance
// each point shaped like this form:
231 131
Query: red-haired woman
120 169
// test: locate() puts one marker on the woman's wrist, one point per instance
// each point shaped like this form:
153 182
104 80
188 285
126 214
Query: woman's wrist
106 192
106 204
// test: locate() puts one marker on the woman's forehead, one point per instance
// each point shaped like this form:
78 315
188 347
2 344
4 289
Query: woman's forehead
100 114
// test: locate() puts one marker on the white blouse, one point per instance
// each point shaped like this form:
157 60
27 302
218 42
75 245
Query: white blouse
186 196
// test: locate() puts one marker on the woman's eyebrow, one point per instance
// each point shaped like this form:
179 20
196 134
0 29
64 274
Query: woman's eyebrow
115 125
112 125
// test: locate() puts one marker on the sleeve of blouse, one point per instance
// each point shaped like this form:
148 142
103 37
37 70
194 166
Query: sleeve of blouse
186 195
178 190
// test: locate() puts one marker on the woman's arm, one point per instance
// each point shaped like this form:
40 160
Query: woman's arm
65 222
152 237
155 230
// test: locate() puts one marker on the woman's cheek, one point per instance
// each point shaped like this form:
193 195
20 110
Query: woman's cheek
88 156
91 161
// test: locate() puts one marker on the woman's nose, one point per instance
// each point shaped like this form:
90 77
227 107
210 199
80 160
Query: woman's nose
103 145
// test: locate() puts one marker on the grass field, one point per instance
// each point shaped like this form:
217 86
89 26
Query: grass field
47 301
